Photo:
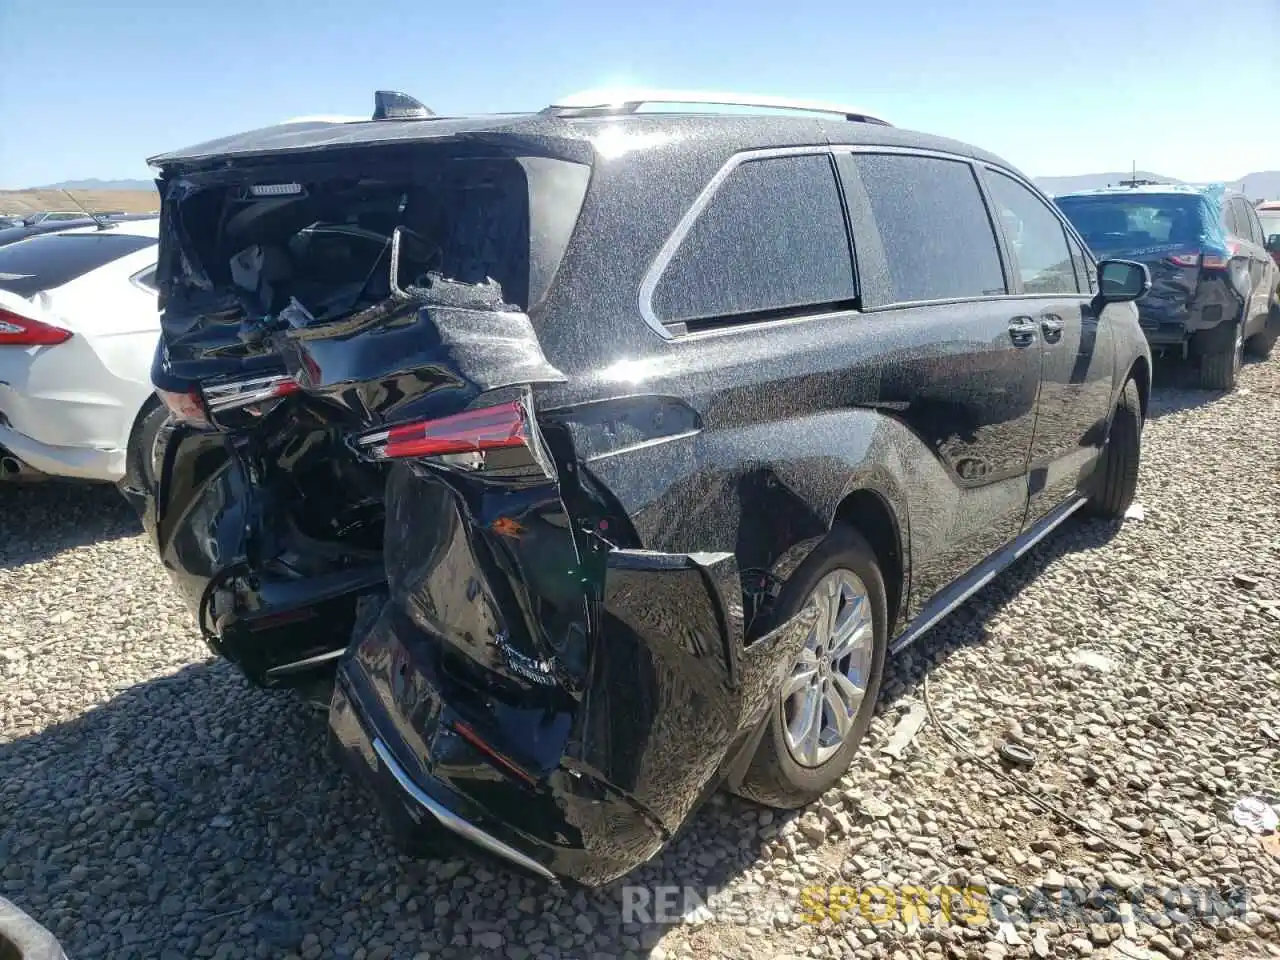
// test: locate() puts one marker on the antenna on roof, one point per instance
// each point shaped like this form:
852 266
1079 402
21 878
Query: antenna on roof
102 223
391 105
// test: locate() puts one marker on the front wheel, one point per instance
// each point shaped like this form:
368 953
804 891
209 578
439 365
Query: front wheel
823 708
1116 479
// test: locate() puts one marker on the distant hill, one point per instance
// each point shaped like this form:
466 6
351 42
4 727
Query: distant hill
1264 185
94 184
23 202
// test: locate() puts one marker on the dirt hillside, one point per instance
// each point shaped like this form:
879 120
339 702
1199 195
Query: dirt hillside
30 201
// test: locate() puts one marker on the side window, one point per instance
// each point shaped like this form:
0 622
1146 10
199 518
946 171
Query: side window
1037 236
1086 275
773 237
1229 220
933 231
1255 225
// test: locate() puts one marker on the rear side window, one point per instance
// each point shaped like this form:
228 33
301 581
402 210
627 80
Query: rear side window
772 238
44 262
936 235
1035 234
1231 220
1253 229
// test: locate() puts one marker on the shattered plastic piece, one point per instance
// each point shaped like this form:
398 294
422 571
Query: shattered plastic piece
1092 660
906 730
1136 511
296 315
1244 580
1255 815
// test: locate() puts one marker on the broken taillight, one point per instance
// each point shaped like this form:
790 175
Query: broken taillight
185 407
244 393
19 331
472 431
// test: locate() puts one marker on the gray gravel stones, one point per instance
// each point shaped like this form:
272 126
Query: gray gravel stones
153 805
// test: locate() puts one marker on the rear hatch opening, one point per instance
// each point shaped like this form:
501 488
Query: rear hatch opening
288 330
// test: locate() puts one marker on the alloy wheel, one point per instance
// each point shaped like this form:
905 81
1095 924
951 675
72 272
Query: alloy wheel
827 684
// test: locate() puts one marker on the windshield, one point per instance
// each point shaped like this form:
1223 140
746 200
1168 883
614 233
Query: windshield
1270 222
53 259
1135 220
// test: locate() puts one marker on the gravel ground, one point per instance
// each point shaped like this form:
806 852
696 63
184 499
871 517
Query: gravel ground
153 805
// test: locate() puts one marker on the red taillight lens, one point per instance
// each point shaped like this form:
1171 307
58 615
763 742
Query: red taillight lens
472 431
185 407
1185 259
19 331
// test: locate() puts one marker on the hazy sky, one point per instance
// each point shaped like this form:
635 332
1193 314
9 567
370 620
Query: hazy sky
1186 88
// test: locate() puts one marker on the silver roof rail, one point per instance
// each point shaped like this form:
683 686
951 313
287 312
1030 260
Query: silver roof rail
630 99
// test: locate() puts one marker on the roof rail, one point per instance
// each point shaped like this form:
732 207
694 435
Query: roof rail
629 99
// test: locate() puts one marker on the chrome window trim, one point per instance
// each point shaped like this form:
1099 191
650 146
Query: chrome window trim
136 279
649 283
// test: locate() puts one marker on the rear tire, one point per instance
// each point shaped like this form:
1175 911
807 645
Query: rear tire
1222 357
1260 344
775 778
1116 479
139 475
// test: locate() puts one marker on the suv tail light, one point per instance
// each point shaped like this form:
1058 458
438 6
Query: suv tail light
472 431
243 393
19 331
1206 259
500 441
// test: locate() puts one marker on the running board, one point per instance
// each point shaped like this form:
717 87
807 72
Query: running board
982 574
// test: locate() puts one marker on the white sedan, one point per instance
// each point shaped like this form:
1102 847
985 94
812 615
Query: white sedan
78 330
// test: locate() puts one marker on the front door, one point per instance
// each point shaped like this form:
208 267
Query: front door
1076 378
968 377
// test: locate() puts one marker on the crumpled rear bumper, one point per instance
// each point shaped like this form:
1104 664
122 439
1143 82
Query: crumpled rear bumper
435 787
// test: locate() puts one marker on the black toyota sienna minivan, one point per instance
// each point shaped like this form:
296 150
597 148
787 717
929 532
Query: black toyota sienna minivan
599 458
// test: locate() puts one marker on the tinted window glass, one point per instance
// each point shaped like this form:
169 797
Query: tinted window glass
52 259
1251 220
1036 235
1086 276
934 228
772 237
1118 222
1230 219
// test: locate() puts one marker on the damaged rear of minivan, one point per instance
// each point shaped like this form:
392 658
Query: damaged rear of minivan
359 474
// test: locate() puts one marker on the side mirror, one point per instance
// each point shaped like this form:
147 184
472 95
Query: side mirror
1273 243
1120 281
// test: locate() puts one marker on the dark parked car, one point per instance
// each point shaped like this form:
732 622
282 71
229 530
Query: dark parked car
610 455
1212 280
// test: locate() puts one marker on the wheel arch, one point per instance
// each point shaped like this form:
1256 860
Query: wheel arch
869 513
1140 371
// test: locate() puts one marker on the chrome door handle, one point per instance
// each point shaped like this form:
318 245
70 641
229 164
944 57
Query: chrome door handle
1022 330
1051 324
